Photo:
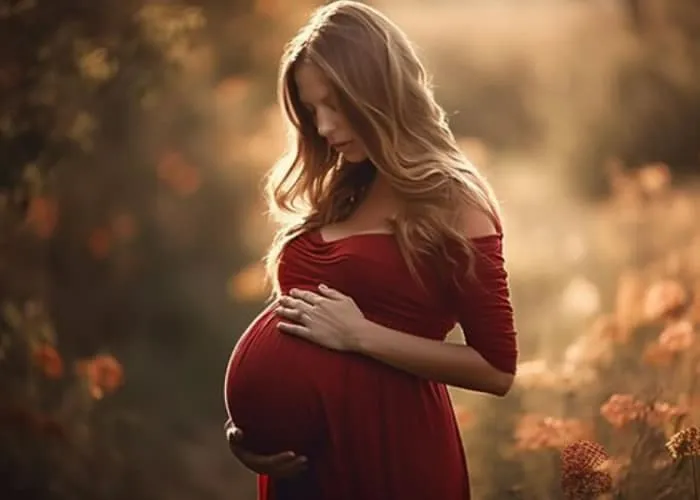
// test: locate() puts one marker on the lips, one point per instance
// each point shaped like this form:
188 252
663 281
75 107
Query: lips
341 145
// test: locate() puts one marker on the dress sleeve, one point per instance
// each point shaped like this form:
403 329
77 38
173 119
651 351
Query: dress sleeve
483 306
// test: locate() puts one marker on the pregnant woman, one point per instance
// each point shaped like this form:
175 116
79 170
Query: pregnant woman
337 391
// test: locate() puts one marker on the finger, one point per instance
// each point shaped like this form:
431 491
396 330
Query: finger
307 296
267 463
229 426
294 329
290 469
265 460
299 304
329 292
233 434
290 314
283 460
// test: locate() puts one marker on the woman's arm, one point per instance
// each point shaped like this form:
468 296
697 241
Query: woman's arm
448 363
487 362
482 307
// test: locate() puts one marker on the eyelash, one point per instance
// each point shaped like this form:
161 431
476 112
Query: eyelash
312 111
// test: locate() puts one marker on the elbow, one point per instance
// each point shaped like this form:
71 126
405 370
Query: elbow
502 384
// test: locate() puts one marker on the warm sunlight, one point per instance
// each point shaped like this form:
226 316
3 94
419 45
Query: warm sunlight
135 142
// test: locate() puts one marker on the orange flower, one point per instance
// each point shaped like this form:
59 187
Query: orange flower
534 432
42 216
621 409
48 360
663 413
654 178
677 337
664 299
103 373
180 176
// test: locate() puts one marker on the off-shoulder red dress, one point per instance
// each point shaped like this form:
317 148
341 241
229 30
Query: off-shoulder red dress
371 432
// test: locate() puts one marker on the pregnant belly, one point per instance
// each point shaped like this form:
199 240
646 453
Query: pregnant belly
276 388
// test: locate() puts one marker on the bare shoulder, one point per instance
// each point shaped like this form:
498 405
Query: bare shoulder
476 223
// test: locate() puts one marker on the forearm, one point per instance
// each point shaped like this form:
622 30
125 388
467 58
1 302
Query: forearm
452 364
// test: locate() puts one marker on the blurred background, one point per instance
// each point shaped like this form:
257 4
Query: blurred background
134 135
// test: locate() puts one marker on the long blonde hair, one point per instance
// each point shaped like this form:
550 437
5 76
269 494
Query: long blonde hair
385 94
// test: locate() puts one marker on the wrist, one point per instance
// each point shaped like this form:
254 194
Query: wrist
360 336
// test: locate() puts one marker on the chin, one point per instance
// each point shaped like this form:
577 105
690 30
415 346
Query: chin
354 157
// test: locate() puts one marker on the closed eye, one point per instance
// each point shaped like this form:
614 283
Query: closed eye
330 104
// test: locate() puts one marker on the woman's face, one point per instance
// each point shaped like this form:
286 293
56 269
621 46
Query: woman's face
317 95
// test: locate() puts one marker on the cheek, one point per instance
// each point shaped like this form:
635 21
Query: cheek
344 125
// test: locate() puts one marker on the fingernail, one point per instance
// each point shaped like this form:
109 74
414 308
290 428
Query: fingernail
322 286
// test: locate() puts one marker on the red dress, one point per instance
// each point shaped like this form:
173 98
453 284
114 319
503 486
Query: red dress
370 431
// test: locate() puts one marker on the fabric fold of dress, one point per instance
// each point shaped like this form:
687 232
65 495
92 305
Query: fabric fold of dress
370 431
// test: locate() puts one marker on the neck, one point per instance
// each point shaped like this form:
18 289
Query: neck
380 189
380 198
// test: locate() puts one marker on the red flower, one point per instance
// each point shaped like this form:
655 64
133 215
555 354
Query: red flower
685 443
103 373
42 216
48 360
583 477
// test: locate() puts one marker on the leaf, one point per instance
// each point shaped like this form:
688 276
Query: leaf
47 333
33 179
12 315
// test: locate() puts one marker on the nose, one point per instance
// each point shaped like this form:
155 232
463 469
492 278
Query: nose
325 123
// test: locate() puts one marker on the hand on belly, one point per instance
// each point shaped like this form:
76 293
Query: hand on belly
279 465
